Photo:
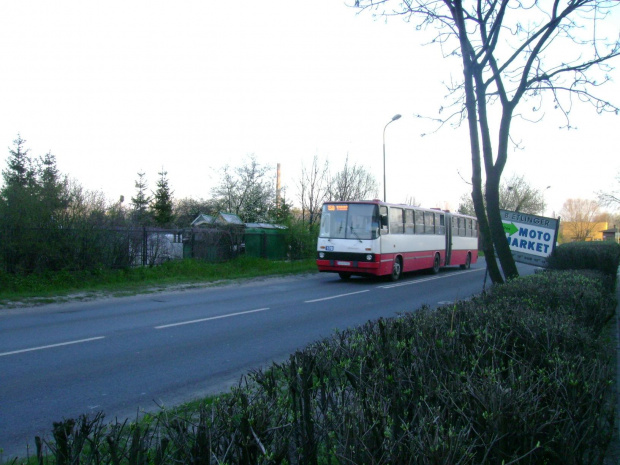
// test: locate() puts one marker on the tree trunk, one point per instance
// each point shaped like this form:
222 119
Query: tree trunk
494 175
497 234
469 70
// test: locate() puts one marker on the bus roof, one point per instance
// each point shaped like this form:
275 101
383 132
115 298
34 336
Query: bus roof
399 205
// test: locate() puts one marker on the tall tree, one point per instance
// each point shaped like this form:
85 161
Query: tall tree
20 171
17 196
515 194
510 53
53 194
187 209
141 202
582 216
313 190
161 207
49 219
352 183
247 191
282 213
610 198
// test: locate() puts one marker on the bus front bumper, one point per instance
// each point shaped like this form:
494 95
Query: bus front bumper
348 266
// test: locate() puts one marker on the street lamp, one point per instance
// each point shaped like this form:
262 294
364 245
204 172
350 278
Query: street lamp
394 118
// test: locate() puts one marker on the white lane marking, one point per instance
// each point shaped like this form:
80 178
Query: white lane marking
335 297
51 346
191 322
417 281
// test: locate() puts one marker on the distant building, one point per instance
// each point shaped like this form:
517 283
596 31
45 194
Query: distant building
214 238
202 220
571 231
612 234
228 219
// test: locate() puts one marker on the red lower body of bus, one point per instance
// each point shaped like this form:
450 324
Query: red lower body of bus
384 263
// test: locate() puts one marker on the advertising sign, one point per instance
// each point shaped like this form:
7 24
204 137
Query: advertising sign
531 238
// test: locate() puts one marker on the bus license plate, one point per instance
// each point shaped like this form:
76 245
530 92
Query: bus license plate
343 263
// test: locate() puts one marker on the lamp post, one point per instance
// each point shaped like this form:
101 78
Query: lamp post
394 118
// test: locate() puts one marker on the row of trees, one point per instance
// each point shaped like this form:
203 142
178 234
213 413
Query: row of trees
35 194
583 218
249 191
317 184
515 194
48 220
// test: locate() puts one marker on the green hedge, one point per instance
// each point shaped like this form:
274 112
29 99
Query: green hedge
521 374
602 256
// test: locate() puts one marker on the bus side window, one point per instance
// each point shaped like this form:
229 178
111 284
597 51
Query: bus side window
440 226
396 221
409 225
429 223
419 222
455 226
474 226
462 230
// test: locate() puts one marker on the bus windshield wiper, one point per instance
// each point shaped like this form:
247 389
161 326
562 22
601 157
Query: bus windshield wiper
355 234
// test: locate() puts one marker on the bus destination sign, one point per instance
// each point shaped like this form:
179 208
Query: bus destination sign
531 238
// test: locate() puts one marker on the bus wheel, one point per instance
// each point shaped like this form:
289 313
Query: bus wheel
345 276
436 264
467 264
397 269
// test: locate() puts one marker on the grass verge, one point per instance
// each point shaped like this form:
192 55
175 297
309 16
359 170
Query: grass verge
49 287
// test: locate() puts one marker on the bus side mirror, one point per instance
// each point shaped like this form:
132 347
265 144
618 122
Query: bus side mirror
384 221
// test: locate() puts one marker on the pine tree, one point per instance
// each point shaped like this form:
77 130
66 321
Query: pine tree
52 190
17 196
161 207
140 203
281 214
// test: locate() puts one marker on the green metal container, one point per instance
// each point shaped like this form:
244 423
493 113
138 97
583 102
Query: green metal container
265 240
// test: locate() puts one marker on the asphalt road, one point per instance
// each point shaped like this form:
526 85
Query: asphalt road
128 355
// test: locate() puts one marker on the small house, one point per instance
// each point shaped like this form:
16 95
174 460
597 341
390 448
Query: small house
214 238
202 220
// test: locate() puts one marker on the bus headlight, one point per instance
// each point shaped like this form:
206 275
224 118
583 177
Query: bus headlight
321 254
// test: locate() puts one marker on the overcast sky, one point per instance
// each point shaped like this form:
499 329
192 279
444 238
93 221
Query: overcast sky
119 87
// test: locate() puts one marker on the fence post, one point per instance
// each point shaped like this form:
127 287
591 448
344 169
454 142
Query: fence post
191 251
144 245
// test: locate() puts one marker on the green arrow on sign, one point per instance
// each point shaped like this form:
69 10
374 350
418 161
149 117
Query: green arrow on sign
510 228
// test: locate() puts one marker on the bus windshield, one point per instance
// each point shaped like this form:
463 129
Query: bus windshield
350 221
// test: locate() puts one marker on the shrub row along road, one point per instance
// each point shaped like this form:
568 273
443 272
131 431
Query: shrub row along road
124 356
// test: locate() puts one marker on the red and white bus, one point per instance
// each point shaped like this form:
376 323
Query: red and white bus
376 238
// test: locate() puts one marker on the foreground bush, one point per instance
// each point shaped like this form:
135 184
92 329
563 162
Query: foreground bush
517 376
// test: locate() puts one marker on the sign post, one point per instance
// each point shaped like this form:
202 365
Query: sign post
531 238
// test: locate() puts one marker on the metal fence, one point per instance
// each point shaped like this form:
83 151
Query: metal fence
28 250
